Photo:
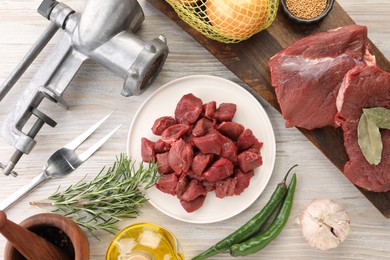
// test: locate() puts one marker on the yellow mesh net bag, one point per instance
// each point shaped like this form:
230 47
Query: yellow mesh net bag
228 21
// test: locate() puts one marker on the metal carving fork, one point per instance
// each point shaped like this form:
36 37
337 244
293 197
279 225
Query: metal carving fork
61 163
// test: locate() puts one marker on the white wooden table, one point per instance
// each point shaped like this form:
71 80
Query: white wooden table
95 91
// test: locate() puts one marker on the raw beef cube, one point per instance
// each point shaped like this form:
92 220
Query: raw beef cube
162 123
163 164
194 190
167 183
219 170
161 147
201 162
229 149
307 75
209 109
209 185
202 127
191 206
147 150
188 109
243 180
190 174
210 143
248 161
225 112
231 129
180 156
225 187
174 133
181 186
364 87
246 140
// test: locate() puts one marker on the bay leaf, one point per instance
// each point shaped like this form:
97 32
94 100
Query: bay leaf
379 115
370 140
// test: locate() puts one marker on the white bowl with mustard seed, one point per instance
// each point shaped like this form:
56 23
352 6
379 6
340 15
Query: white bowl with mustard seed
307 11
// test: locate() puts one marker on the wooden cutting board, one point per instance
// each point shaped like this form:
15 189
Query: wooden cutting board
248 60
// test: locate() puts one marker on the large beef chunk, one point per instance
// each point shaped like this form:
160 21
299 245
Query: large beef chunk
307 75
219 170
167 183
201 162
225 112
191 206
163 163
188 109
194 190
209 143
364 87
248 161
147 150
231 129
225 187
174 133
162 123
180 156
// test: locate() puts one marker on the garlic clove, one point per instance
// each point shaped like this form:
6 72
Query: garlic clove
325 224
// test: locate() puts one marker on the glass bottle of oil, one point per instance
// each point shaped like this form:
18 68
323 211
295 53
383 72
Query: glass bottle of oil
144 241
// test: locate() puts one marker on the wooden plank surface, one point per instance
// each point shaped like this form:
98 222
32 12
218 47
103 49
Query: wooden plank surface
248 60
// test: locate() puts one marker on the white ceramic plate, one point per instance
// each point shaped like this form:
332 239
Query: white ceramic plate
249 113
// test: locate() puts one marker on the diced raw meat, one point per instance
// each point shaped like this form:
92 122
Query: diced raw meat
225 112
209 109
180 156
191 175
194 190
188 109
147 150
194 157
181 186
191 206
202 127
209 185
243 180
246 140
161 147
225 187
231 129
307 75
163 164
229 149
174 133
201 162
167 183
209 143
219 170
162 123
364 87
248 161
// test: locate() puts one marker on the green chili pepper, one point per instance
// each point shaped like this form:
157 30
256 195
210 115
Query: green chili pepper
250 227
262 239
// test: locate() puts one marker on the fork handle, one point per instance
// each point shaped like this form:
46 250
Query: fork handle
17 195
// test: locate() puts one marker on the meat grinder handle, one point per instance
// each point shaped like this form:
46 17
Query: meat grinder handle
28 59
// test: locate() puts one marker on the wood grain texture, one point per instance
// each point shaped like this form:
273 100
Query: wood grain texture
248 60
95 91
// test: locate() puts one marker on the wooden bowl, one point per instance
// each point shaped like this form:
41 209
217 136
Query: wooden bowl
316 19
57 229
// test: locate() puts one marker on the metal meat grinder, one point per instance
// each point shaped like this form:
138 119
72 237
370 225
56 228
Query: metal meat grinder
103 32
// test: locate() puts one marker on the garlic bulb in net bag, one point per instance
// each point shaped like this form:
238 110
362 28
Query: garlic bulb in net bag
227 21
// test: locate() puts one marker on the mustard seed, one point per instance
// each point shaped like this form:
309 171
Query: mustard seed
306 9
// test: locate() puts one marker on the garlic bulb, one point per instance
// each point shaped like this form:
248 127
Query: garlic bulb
325 224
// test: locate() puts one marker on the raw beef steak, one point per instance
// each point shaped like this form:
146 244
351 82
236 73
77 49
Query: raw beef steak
307 74
364 87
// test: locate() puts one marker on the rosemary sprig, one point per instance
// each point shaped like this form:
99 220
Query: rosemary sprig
108 198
